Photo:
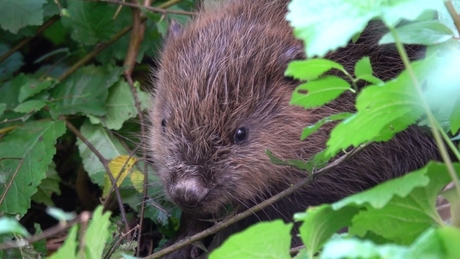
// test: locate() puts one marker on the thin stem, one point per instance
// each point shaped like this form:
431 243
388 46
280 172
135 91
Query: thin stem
105 163
146 7
225 223
433 123
26 40
450 7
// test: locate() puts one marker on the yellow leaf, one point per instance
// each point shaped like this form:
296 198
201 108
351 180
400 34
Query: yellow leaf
137 178
120 167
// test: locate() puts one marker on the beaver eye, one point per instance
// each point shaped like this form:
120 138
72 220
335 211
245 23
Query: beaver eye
240 135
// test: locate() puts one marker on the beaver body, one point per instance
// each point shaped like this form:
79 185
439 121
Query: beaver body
222 100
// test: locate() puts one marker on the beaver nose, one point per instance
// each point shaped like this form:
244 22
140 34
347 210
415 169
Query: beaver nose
189 193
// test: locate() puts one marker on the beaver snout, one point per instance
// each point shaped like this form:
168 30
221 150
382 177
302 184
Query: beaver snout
188 193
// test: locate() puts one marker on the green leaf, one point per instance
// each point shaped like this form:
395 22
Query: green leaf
433 243
9 92
423 33
11 64
92 23
318 92
384 109
120 106
450 239
85 92
2 108
363 70
68 249
320 223
355 248
307 131
16 14
313 20
263 240
93 240
12 226
105 143
312 68
411 197
32 87
30 106
48 186
455 118
97 234
27 151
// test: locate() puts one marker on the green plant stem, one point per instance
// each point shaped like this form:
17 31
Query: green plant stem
451 145
435 128
450 7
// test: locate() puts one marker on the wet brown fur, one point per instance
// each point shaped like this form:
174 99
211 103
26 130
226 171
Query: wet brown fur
225 70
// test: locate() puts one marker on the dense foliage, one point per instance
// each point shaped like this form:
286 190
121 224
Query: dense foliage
71 113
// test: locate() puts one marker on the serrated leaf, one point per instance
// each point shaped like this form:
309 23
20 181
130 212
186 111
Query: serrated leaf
433 243
12 226
120 106
313 20
105 143
411 197
320 223
120 167
32 87
30 106
312 68
263 240
9 92
307 131
384 109
318 92
96 235
27 152
85 92
92 23
363 71
48 186
16 14
11 64
423 33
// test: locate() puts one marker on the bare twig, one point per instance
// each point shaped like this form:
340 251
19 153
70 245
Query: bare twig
47 233
225 223
104 45
453 13
137 36
146 7
105 163
12 178
26 40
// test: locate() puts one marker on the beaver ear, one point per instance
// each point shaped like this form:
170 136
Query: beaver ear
174 30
